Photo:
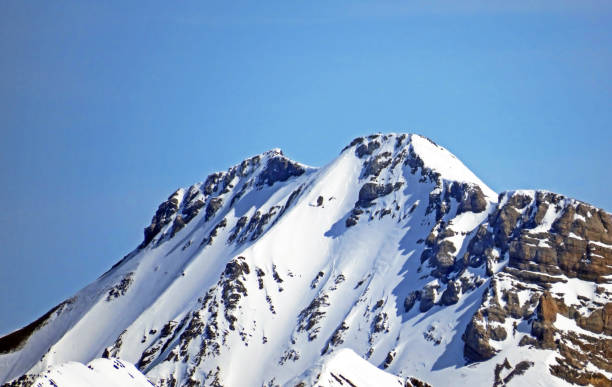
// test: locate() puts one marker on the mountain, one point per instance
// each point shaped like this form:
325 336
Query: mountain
393 257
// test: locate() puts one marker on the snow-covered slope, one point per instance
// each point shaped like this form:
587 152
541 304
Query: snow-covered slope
98 373
395 250
345 368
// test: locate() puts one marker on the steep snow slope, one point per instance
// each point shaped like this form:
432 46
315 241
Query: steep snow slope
394 250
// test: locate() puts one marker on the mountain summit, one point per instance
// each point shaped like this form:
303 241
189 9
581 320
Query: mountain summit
392 264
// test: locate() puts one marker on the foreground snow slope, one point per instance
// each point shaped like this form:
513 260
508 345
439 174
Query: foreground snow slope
345 368
395 250
98 373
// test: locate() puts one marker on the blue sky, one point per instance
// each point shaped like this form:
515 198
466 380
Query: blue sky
108 107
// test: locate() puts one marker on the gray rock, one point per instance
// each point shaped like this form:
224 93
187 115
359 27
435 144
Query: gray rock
428 297
410 300
372 191
450 296
162 217
279 169
213 206
367 149
377 164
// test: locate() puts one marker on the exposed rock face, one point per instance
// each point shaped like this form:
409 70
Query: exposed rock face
377 164
372 191
213 206
441 252
354 217
476 337
279 169
469 197
573 245
162 217
219 188
548 239
543 328
311 315
599 321
410 300
451 295
367 149
233 287
22 381
119 289
480 248
428 296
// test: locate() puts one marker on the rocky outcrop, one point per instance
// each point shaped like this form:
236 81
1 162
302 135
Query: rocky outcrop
121 288
376 164
22 381
476 338
279 168
162 217
451 294
469 196
233 288
428 296
441 252
372 191
353 217
411 299
367 148
548 233
548 239
598 321
213 206
310 316
480 248
542 328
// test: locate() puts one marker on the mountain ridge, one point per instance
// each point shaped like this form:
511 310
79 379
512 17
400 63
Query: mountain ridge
394 245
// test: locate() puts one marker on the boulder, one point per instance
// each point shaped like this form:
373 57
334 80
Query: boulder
410 300
428 296
451 294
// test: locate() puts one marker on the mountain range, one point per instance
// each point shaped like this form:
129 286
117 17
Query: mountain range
392 265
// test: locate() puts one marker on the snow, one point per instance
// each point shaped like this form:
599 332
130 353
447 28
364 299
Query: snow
579 217
549 218
566 324
601 244
367 272
442 161
98 373
344 367
573 288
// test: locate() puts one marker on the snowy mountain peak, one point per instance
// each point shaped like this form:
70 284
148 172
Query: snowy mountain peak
394 254
419 152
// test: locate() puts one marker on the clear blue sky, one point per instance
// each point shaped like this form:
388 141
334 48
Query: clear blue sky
107 107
